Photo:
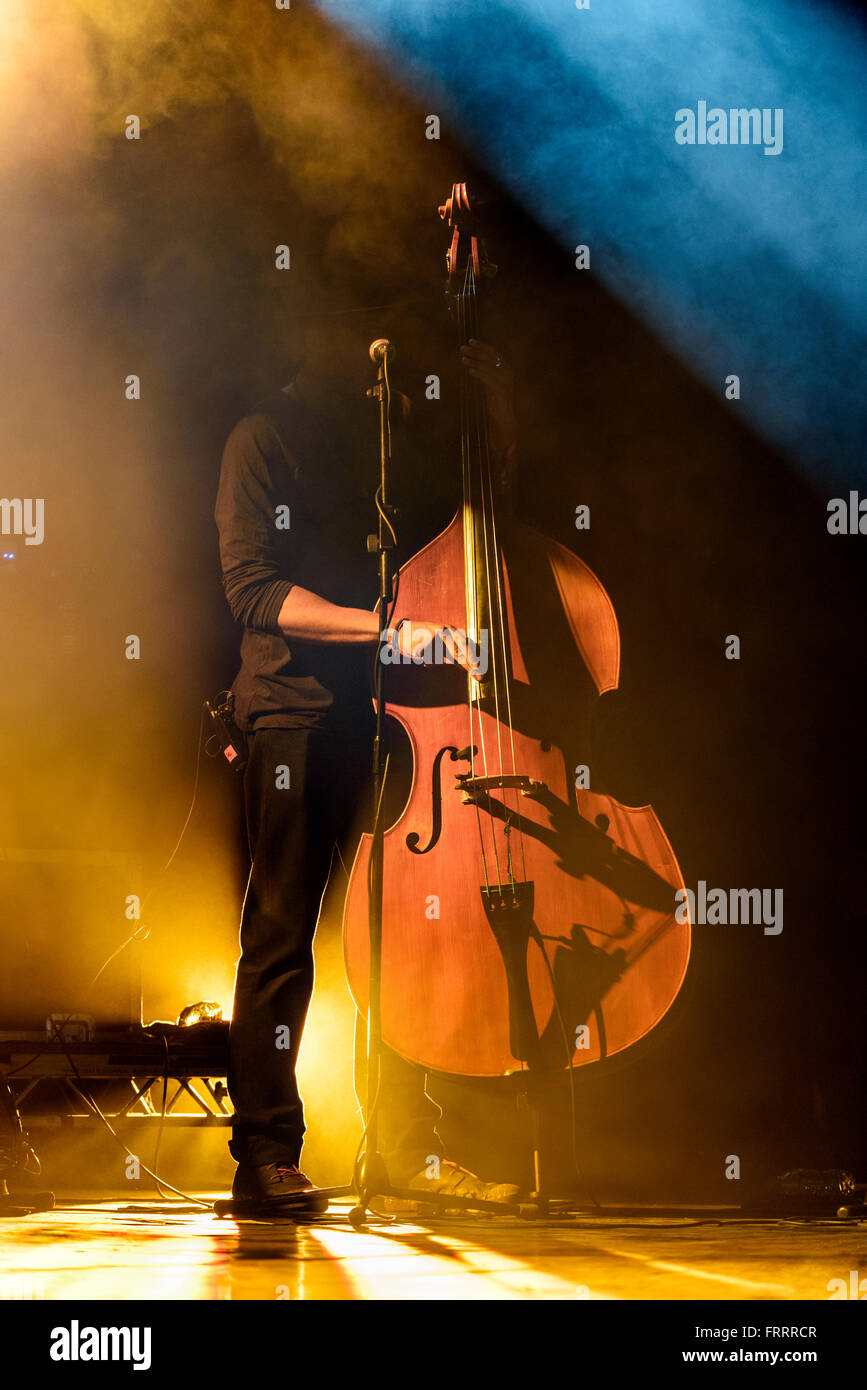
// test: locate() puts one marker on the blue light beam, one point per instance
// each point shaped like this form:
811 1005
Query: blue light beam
743 262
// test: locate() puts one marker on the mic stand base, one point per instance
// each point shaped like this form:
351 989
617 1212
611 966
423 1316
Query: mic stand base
439 1204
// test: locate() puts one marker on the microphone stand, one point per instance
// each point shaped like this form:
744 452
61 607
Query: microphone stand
371 1177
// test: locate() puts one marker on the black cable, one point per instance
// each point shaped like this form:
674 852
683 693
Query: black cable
89 1101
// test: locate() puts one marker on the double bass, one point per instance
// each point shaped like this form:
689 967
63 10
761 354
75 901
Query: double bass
528 916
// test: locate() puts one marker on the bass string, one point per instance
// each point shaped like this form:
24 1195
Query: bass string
470 399
501 619
498 610
470 586
479 421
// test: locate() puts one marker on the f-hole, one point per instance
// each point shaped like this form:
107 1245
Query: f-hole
412 839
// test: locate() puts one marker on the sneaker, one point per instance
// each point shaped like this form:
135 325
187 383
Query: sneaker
276 1184
454 1181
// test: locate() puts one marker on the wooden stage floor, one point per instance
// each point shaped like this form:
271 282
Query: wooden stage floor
145 1249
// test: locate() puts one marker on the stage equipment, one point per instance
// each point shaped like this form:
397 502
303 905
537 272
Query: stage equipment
200 1013
189 1061
371 1177
70 1028
816 1192
17 1157
230 740
528 920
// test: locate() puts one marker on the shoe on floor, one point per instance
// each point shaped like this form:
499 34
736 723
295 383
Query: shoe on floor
276 1184
452 1180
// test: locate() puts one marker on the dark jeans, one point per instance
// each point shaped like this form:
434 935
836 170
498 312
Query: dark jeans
292 832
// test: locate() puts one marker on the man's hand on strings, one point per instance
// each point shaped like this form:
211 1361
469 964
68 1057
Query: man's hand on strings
486 365
424 643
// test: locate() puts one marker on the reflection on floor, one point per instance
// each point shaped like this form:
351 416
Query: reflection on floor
173 1250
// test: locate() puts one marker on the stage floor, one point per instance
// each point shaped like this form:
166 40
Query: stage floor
146 1249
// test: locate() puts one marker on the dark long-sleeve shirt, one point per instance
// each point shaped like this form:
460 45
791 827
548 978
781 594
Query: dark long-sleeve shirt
291 509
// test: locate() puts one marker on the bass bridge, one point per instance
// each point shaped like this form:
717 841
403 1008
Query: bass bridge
475 790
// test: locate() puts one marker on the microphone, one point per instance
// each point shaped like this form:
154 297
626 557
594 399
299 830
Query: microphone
380 349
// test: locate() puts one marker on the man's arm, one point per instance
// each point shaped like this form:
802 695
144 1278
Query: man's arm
259 592
309 618
255 582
